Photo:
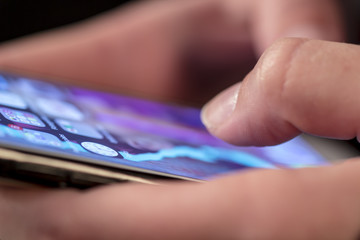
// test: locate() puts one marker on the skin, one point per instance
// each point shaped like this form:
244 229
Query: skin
179 45
282 96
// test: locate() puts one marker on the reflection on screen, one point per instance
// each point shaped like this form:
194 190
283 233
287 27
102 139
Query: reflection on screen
128 132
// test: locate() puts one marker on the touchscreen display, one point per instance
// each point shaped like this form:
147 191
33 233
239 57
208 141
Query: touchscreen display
128 133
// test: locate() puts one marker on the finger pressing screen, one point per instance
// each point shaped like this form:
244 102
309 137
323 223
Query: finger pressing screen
297 86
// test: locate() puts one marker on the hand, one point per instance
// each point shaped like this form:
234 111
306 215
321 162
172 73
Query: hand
282 96
178 46
255 205
314 204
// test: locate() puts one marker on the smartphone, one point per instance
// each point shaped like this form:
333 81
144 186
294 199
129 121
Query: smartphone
57 135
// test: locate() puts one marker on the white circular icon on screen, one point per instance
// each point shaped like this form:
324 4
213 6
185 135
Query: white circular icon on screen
99 149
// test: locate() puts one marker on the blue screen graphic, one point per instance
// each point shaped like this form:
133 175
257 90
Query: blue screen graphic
125 132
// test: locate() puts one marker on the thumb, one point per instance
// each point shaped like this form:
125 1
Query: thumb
297 86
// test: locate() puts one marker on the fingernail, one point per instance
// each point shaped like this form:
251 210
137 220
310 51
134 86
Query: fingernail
220 109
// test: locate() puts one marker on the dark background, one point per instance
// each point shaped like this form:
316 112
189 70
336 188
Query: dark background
22 17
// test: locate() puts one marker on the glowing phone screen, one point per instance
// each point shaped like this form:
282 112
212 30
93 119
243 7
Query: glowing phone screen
128 133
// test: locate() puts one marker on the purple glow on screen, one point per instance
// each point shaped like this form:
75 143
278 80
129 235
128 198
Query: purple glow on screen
130 132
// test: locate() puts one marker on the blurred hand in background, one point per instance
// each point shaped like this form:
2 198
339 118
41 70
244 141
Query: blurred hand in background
170 49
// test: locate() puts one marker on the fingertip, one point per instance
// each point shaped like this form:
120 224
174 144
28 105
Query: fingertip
215 113
249 113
